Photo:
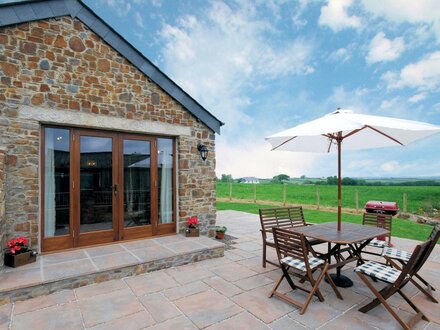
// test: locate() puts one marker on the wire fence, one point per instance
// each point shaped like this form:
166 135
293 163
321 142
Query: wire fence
413 199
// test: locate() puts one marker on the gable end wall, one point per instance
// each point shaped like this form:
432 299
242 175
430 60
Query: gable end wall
59 65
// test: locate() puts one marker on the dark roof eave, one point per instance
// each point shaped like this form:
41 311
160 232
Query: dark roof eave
26 11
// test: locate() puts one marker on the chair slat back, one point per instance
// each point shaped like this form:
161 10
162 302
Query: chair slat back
418 258
290 244
282 217
433 237
378 220
435 234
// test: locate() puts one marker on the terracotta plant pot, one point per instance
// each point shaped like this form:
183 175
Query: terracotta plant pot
16 260
219 235
192 232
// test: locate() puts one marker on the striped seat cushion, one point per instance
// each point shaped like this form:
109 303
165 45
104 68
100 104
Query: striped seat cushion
378 243
300 264
396 254
379 271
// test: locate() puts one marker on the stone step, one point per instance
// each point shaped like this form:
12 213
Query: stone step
76 268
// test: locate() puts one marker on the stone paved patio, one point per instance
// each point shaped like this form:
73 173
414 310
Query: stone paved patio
72 269
222 293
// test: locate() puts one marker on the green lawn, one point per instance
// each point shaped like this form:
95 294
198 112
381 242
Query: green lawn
401 228
418 197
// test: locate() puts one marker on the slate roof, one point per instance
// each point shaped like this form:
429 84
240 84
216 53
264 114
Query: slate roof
24 11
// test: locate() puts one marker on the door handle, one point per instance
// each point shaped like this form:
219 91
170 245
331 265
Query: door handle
115 188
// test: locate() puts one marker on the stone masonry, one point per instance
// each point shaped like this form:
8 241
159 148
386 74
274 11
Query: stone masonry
2 202
62 66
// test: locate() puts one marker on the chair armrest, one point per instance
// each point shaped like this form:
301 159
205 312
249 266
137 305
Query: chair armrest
310 249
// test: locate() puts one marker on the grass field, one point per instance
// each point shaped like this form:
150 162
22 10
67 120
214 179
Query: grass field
401 228
417 197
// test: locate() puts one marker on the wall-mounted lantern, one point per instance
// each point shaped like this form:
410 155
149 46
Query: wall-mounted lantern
203 151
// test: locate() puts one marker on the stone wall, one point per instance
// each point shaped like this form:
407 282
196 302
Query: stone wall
62 66
2 203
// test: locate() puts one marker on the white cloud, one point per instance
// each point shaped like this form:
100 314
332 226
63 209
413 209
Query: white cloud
219 57
402 11
391 166
261 162
423 75
340 55
139 20
122 7
298 19
418 97
384 49
407 11
156 3
335 15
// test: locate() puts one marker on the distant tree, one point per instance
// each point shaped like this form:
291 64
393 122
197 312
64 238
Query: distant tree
280 178
348 182
227 178
302 177
332 180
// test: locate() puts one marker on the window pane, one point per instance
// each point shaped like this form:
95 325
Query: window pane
56 181
165 178
137 167
96 183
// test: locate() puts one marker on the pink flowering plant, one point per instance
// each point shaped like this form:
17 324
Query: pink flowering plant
18 245
193 222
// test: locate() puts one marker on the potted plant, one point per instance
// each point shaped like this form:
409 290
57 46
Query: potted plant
220 231
18 253
192 230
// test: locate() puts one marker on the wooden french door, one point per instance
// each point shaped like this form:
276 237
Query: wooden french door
110 192
137 177
95 184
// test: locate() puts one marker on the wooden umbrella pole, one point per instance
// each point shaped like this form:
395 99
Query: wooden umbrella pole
339 140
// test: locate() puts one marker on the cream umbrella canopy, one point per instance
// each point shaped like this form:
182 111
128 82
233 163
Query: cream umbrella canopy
348 130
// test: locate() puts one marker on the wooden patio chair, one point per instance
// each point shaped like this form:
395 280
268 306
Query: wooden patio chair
396 280
403 257
294 259
382 221
281 217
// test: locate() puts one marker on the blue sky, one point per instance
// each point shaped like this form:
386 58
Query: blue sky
265 65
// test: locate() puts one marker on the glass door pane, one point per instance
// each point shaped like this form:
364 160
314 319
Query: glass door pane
56 182
96 183
165 174
137 185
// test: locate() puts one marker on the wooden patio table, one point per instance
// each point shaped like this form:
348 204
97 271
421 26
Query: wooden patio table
352 236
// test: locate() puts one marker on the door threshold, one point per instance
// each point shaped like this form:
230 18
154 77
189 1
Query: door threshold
106 244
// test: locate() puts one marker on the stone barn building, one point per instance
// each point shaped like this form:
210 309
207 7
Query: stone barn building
96 143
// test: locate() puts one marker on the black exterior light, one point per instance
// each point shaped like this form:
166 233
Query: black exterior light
203 151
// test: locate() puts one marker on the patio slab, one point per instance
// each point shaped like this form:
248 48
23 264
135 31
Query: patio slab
108 307
171 299
207 308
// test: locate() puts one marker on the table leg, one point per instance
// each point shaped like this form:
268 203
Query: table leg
340 280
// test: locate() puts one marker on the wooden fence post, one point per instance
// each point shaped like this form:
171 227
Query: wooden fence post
284 194
404 202
318 198
357 201
255 193
230 191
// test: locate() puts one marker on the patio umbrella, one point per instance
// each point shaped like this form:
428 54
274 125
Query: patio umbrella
345 129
